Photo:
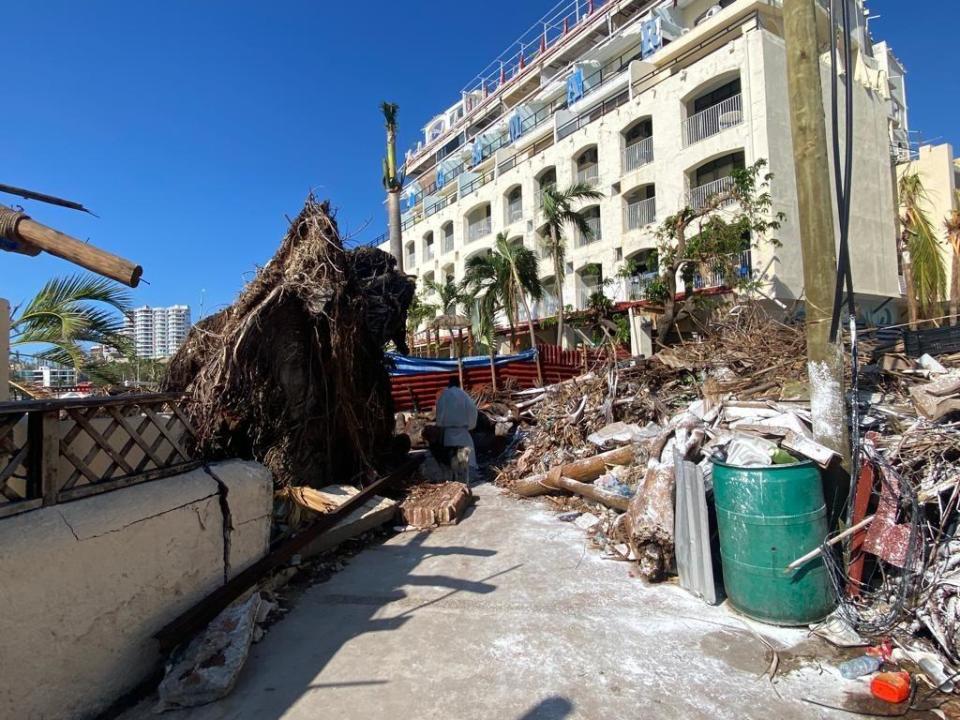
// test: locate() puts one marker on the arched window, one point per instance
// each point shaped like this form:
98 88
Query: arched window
588 166
637 144
513 205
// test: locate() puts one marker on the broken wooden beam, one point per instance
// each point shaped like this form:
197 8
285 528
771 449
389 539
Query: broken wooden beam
581 470
604 497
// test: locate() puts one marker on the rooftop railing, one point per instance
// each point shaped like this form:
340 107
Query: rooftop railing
638 154
714 120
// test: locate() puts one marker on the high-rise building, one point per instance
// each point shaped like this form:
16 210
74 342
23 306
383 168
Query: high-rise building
158 332
655 103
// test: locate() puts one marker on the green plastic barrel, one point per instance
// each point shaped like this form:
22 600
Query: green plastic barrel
767 517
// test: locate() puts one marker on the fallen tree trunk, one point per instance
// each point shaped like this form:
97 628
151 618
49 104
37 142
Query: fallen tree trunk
649 522
609 499
587 469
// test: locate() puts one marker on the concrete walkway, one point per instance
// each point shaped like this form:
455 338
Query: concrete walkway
510 615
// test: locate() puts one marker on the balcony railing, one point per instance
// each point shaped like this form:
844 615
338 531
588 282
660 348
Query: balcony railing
428 253
477 183
410 260
479 229
584 293
595 234
514 212
638 154
589 175
713 120
641 213
448 243
699 197
538 198
716 278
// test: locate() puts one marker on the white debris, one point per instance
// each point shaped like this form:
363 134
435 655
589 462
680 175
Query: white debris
587 521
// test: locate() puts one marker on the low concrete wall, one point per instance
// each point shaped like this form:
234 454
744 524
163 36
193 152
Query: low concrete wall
84 585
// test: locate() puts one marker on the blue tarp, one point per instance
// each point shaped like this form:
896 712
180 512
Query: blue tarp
575 86
651 37
404 365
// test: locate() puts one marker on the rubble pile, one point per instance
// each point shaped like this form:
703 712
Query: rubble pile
604 449
293 374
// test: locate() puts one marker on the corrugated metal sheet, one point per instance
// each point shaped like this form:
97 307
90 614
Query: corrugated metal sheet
692 531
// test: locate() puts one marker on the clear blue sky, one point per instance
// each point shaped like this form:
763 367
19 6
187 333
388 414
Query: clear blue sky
193 127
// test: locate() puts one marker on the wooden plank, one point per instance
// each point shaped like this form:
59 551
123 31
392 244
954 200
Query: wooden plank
50 458
117 483
197 617
161 426
107 434
183 418
7 408
135 436
9 422
101 442
91 477
21 506
9 470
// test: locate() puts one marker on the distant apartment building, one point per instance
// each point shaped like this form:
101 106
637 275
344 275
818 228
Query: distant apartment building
52 376
655 103
158 332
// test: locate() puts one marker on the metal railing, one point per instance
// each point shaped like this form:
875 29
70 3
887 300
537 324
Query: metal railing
589 175
717 278
479 229
715 119
438 205
594 113
641 213
638 154
477 183
514 211
699 197
595 232
636 286
410 260
538 197
448 243
584 293
428 253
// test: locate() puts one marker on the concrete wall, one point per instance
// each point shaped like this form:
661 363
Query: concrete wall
85 584
4 350
938 172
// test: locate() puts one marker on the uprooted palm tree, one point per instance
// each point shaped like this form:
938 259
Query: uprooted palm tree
68 312
508 274
952 226
923 268
557 207
392 181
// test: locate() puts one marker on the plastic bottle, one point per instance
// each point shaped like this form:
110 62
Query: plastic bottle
859 667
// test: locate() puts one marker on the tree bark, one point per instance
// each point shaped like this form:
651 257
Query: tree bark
558 281
582 470
393 223
609 499
815 218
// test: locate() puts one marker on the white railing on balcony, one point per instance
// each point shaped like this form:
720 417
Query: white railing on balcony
479 229
713 120
584 293
448 243
428 253
594 224
636 286
410 260
641 213
638 154
547 307
717 278
698 197
589 175
514 211
538 196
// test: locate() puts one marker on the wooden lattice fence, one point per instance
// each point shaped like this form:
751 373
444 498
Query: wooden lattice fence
58 450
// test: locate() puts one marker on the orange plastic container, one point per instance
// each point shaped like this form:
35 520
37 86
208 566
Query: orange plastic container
894 687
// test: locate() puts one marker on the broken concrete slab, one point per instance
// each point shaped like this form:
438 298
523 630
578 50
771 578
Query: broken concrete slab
377 511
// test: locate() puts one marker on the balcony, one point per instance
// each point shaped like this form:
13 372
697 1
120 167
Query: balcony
428 253
715 119
641 213
448 243
584 293
638 154
538 198
595 235
589 175
699 197
716 278
410 260
479 229
514 212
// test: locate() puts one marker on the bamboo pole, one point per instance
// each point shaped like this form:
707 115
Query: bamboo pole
20 228
815 218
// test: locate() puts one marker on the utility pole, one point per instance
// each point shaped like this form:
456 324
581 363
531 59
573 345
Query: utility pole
817 239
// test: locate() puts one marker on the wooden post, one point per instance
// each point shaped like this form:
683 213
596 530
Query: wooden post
540 381
493 373
815 219
69 248
460 372
43 435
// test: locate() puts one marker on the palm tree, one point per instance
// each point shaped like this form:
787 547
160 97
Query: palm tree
923 267
952 226
392 181
558 212
451 296
66 313
419 311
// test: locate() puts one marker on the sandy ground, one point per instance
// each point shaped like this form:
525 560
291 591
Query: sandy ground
511 615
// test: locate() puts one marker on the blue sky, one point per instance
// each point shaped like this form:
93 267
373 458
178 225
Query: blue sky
193 128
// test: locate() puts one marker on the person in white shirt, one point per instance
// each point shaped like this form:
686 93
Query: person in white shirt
457 415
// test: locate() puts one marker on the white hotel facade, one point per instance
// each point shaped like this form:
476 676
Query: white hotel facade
655 102
158 332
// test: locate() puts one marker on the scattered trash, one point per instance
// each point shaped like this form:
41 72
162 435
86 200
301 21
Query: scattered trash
858 667
569 516
893 687
587 521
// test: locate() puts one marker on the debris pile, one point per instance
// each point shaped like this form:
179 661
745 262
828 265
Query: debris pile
293 373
